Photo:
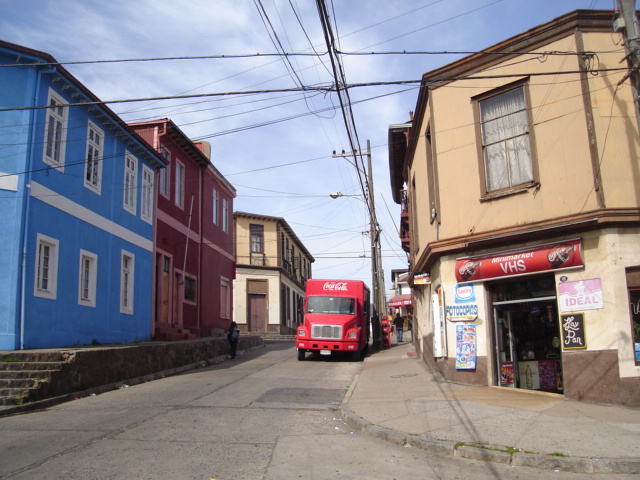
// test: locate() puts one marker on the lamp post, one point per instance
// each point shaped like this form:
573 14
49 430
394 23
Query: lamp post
379 304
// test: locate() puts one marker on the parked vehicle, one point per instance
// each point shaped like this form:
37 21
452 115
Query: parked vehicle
336 318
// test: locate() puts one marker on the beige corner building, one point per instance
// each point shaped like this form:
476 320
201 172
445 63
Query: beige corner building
519 176
272 268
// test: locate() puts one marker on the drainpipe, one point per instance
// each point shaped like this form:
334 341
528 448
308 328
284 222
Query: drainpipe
26 204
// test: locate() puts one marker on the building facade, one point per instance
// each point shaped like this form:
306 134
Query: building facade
520 174
194 262
76 192
272 267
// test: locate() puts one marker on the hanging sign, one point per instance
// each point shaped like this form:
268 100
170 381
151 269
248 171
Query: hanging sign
422 278
466 347
580 295
573 335
558 256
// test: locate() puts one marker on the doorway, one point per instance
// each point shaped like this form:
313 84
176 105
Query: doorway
527 335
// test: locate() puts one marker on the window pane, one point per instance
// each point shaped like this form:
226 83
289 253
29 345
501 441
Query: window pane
495 159
519 160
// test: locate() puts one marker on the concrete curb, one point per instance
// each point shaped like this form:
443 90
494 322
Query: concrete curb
53 401
486 453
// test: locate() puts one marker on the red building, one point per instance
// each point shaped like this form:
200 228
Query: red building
194 258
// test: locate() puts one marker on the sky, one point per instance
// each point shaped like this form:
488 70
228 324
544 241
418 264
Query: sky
275 145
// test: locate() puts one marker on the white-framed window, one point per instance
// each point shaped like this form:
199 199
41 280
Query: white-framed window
93 162
225 298
130 182
165 173
216 207
127 272
146 209
46 267
225 215
55 131
87 279
256 238
506 147
179 184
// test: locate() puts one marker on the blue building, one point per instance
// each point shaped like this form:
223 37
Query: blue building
77 200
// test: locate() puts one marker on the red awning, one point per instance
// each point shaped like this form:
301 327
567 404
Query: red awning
400 300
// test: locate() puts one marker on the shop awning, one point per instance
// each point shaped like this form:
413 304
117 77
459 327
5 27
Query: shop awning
400 300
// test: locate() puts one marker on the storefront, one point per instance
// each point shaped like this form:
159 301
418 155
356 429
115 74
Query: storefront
525 334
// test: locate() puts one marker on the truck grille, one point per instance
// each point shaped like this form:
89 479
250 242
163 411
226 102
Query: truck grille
326 331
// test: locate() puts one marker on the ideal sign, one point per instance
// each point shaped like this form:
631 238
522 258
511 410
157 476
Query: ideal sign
580 295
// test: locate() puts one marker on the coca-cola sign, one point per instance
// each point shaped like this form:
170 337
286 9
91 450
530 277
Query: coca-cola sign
558 256
335 286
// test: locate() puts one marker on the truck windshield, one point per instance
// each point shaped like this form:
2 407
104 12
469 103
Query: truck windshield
340 305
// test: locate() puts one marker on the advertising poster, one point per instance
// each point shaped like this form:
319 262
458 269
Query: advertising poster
529 375
507 374
466 347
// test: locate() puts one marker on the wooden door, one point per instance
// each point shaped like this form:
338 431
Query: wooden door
257 312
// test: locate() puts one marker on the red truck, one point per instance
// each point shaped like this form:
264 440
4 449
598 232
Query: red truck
336 318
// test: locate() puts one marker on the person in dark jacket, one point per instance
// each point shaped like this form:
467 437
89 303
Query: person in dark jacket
233 334
398 323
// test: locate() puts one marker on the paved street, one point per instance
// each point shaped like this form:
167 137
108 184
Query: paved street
262 416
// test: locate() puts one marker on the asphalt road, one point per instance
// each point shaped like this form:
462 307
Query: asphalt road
264 415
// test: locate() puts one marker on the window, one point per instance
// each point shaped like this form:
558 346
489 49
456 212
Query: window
225 215
55 131
87 279
126 283
130 181
216 215
164 174
189 289
179 184
225 298
147 194
257 238
93 164
46 273
504 131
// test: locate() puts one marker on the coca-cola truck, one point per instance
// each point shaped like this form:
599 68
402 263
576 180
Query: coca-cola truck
336 318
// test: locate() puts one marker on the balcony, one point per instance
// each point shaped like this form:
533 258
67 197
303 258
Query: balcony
258 259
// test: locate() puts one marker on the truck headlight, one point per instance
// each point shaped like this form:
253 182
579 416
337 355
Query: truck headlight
302 333
352 335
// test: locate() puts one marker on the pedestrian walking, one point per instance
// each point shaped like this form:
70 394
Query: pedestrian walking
233 335
398 323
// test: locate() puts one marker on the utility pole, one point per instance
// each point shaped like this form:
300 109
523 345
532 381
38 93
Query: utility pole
627 23
379 303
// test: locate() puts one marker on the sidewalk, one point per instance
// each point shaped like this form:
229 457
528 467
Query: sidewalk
396 397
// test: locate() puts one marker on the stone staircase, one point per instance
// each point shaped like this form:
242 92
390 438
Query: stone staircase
166 332
26 376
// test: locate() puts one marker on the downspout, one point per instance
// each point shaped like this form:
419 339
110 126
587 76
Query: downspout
25 208
200 252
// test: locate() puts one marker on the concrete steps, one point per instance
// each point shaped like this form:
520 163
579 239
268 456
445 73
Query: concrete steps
166 332
25 376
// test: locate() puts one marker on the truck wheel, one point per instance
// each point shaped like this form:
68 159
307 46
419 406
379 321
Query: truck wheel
301 354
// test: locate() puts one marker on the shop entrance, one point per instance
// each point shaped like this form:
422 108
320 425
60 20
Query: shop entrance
527 334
